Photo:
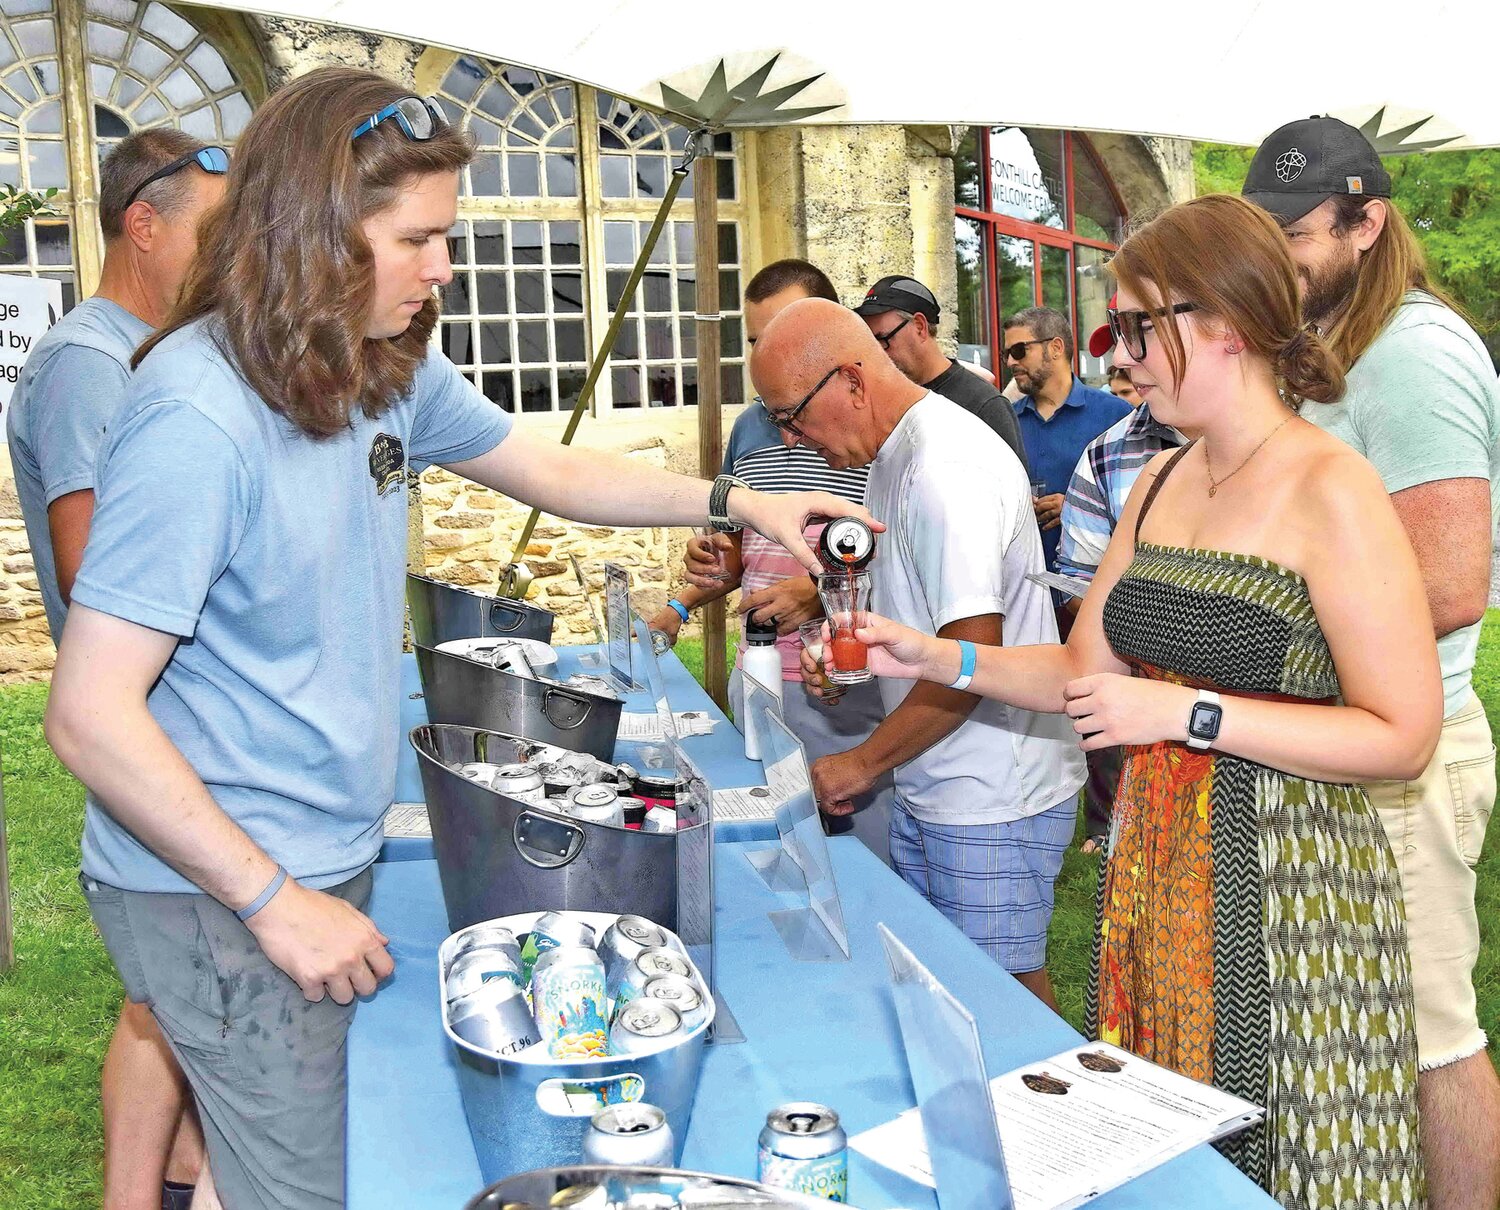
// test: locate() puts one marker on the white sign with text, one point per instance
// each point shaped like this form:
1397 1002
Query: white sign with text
28 307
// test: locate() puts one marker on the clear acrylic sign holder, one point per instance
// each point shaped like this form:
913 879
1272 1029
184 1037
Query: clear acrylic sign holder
773 863
617 623
953 1091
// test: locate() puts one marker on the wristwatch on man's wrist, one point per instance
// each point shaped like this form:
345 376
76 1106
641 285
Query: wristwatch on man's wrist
718 503
1204 720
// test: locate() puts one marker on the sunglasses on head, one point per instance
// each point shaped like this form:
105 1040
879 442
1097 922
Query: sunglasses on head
1129 327
213 160
418 117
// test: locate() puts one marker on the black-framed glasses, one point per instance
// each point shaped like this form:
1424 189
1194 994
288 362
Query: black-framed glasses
1129 327
419 118
884 339
788 420
213 160
1017 351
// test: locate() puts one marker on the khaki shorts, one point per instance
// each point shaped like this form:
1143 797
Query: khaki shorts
1436 827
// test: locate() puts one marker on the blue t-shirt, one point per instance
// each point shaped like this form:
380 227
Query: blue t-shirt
1054 446
69 389
279 561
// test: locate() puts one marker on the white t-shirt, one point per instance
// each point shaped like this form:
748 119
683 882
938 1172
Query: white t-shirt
960 541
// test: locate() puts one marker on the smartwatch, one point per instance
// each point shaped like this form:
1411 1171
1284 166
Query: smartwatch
1204 720
718 503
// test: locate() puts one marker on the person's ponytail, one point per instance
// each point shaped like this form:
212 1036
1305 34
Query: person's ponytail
1307 368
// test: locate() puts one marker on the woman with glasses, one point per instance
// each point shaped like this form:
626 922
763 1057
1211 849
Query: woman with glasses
1258 641
228 680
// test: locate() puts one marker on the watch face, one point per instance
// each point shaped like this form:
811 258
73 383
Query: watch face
1203 722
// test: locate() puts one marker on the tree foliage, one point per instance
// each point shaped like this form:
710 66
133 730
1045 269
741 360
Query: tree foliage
18 205
1451 199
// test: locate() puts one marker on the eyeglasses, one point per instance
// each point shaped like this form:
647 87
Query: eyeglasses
788 421
419 118
213 160
886 338
1017 351
1129 327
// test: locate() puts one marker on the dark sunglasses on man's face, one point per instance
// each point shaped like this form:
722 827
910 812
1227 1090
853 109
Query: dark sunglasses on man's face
213 160
1129 327
1017 351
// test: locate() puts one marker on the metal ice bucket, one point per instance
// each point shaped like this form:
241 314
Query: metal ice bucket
523 1114
470 693
497 855
653 1187
440 612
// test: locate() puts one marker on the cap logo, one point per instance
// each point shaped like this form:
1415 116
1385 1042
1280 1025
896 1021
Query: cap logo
1289 166
1354 184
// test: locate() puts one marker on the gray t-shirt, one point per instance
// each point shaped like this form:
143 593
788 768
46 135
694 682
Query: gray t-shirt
975 395
1423 404
71 386
279 561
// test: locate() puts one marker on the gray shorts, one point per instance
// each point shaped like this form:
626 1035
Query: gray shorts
265 1065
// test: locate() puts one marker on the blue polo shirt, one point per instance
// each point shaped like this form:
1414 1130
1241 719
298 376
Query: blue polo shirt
1054 446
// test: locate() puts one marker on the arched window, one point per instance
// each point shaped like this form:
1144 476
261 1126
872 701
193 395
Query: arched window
1036 217
550 216
147 65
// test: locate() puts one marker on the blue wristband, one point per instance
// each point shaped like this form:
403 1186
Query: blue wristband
968 658
265 896
682 610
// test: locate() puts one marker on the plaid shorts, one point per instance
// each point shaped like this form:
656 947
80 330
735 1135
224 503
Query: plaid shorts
993 880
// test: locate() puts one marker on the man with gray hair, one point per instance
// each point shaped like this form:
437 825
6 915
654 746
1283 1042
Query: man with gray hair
154 187
1058 412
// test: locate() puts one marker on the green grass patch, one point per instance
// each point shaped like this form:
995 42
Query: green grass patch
58 1006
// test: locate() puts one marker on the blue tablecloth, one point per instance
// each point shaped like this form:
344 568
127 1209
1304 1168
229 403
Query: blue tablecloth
814 1031
720 756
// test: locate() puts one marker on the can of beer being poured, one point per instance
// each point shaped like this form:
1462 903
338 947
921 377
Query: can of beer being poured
642 1025
804 1149
632 1134
597 804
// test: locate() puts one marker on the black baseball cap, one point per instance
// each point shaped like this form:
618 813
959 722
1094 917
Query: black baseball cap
900 294
1302 165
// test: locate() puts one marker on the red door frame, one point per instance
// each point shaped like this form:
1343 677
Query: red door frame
994 224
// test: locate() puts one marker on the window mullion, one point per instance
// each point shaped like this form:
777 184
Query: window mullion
78 122
597 311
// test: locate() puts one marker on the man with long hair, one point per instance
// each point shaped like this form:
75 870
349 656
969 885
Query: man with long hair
228 680
1423 406
154 187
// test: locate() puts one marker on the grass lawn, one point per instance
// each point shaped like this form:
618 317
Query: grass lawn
58 1005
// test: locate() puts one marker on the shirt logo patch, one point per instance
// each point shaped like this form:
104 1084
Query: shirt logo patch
1289 166
387 463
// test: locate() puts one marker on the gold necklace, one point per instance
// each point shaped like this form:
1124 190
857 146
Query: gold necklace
1215 484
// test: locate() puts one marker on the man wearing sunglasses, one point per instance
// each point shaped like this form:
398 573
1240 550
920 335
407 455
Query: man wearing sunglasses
1058 412
902 315
154 186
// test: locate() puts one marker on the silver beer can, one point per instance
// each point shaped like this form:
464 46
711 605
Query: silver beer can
481 772
483 964
567 998
560 928
642 1025
803 1148
596 804
682 994
482 935
521 782
660 819
631 979
632 1134
626 939
495 1018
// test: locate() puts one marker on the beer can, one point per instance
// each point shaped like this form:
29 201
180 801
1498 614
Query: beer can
642 1025
630 979
482 935
481 772
632 1134
596 804
560 780
627 939
560 928
484 964
633 810
509 656
846 544
804 1149
655 789
567 998
520 782
660 819
682 994
495 1018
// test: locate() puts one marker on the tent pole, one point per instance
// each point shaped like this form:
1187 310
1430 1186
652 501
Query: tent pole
710 425
7 925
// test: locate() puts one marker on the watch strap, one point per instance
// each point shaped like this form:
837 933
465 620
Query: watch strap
718 503
1206 697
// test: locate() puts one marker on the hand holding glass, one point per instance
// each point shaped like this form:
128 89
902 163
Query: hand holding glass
709 542
846 600
812 639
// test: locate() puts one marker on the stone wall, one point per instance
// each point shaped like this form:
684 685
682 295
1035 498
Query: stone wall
26 652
